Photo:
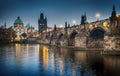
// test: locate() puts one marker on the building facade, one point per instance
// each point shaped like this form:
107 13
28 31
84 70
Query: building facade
19 28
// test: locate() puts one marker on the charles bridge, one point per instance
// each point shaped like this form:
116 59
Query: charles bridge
99 34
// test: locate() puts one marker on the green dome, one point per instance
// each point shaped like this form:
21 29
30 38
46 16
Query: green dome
18 21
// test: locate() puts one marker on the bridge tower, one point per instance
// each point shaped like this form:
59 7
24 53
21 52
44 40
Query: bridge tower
66 26
42 23
84 21
113 21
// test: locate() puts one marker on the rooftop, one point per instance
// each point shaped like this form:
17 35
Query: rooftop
18 21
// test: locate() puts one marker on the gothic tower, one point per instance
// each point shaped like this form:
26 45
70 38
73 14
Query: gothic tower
42 23
113 14
66 26
113 21
83 19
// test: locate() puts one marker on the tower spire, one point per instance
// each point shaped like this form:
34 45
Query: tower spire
83 18
41 16
55 28
65 24
5 24
113 14
113 7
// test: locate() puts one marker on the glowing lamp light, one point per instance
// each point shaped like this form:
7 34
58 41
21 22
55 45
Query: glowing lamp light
98 16
61 25
118 16
73 22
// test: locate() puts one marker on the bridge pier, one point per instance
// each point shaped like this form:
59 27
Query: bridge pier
112 43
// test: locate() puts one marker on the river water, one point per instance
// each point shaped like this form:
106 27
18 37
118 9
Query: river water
42 60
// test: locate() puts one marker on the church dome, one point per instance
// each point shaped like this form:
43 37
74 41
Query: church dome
18 21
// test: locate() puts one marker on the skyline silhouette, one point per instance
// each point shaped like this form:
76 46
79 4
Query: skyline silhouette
56 11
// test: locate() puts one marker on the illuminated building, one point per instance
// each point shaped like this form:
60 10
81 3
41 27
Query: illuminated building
32 34
19 28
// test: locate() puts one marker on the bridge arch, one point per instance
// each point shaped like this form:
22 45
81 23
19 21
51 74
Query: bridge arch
97 33
96 38
73 34
71 41
61 36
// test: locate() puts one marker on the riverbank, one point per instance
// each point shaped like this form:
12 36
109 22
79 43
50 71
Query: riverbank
114 52
101 50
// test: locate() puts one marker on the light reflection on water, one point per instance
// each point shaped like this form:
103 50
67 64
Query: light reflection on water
41 60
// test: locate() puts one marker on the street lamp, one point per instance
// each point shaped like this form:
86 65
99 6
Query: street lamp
98 16
73 22
61 25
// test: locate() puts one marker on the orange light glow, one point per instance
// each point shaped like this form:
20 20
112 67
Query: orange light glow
45 57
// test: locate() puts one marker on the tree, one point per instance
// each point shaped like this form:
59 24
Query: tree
24 35
4 35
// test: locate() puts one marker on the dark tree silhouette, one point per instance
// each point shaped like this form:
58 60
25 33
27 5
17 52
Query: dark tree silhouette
24 35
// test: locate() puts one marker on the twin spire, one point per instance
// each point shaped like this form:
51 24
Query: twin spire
83 17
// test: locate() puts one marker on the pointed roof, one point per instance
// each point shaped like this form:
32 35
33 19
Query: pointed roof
41 16
113 7
28 25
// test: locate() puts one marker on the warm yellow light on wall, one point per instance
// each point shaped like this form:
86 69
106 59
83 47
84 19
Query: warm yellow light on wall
17 38
96 25
105 24
118 16
82 27
90 26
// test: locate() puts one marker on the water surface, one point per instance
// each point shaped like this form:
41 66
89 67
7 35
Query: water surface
41 60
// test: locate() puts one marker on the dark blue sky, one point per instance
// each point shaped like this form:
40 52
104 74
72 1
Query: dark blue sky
57 11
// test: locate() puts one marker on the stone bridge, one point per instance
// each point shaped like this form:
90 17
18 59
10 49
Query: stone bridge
85 35
77 34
